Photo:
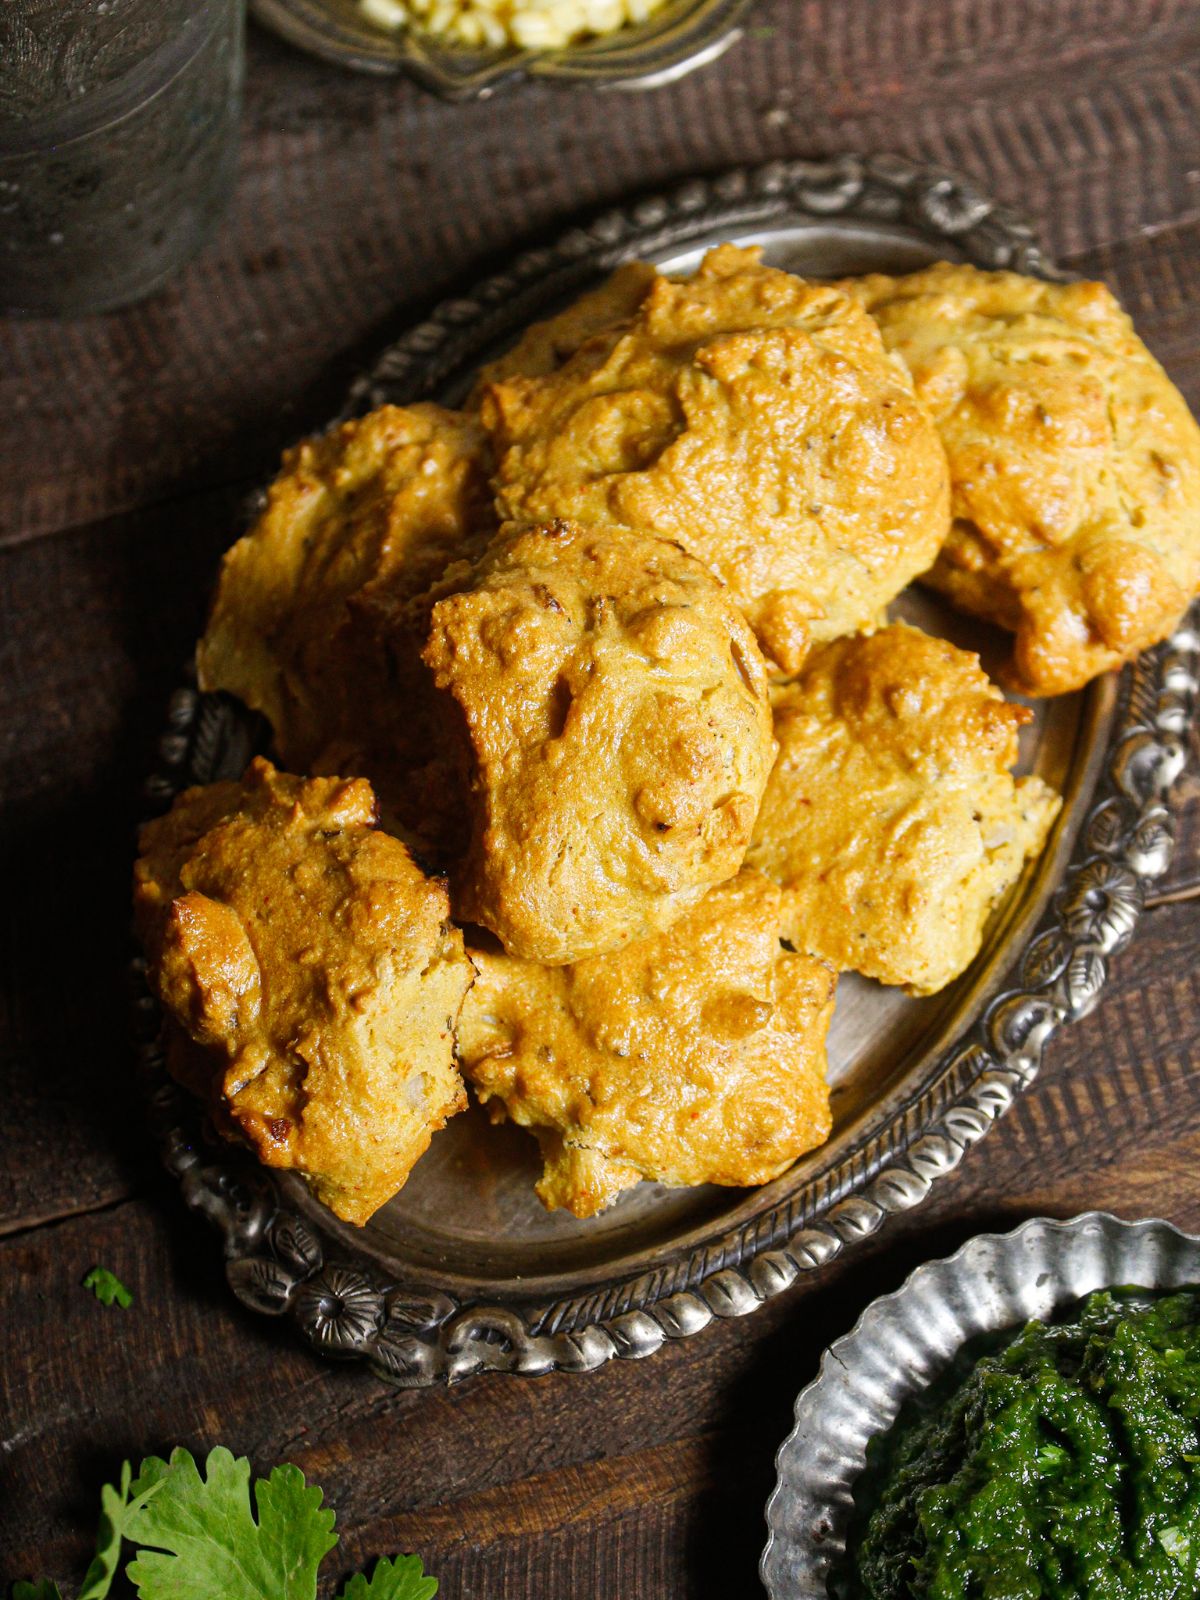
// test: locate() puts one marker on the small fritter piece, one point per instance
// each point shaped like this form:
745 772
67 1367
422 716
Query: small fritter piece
1074 465
891 818
544 346
313 962
321 610
696 1056
616 709
757 420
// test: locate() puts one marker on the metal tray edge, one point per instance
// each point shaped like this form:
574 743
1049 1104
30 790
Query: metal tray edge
416 1334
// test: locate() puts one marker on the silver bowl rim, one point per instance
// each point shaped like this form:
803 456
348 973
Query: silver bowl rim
782 1513
283 1259
684 36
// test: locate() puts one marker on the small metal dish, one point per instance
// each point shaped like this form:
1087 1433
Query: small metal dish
903 1341
684 35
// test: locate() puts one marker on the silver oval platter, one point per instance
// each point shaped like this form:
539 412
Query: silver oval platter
903 1341
463 1271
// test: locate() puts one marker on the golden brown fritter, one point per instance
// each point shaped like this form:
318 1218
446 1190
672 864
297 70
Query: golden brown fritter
891 818
754 418
1074 463
314 964
615 704
695 1056
544 346
321 610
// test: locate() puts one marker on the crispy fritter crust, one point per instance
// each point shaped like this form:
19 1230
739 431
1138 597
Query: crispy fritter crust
891 818
314 964
696 1056
1074 462
321 609
545 346
754 418
616 708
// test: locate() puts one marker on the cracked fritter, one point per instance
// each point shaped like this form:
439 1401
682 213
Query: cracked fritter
315 966
752 417
1074 464
615 705
321 610
891 818
695 1056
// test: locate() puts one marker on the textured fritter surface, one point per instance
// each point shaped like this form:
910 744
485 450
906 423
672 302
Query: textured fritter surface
616 709
754 418
321 609
544 346
891 818
1074 463
695 1056
314 964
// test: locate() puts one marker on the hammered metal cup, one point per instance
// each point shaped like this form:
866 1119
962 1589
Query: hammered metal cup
463 1271
904 1341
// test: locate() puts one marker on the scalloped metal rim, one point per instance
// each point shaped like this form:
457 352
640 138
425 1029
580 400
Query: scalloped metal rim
992 1282
417 1334
688 35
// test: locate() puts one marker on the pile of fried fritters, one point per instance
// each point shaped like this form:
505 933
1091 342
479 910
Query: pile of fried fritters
613 759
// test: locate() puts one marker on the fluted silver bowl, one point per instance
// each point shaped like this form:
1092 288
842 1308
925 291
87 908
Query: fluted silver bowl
903 1341
684 35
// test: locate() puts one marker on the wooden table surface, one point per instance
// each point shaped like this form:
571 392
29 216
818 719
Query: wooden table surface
125 444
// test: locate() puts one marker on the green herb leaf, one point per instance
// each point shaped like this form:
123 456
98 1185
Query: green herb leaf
113 1505
116 1510
212 1544
36 1591
402 1578
108 1288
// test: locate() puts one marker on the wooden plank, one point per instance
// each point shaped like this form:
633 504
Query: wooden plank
360 200
97 627
649 1476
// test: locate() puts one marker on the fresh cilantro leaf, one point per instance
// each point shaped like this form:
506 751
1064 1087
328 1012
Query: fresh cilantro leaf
116 1509
200 1540
212 1544
108 1288
402 1578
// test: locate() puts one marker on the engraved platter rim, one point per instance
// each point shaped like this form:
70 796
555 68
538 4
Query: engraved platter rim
425 1319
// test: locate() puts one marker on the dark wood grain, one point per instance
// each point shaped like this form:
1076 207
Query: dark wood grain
564 1485
357 197
126 444
97 626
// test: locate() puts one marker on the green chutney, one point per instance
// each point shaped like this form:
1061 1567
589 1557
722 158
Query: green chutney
1065 1464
